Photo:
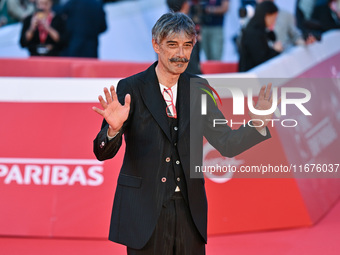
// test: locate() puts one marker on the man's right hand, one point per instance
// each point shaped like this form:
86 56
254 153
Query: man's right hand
114 113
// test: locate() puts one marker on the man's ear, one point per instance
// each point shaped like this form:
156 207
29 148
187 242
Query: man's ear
155 46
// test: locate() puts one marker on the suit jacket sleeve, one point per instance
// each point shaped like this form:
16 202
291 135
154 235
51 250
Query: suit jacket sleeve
229 142
104 148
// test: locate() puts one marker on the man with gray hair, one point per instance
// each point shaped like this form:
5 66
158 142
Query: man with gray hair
158 209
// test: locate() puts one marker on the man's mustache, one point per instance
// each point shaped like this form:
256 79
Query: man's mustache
184 60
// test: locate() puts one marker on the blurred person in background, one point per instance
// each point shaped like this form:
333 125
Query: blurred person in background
246 11
258 42
304 10
326 14
286 31
212 28
3 13
13 11
85 21
183 6
43 32
57 4
285 28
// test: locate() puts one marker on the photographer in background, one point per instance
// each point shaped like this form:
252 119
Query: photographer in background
42 32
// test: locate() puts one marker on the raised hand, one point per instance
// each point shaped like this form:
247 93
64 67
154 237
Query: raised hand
114 113
34 23
264 102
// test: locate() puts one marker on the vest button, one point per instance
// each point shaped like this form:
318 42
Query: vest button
167 159
176 128
177 162
102 144
163 179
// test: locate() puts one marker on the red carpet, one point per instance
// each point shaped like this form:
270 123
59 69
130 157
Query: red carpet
321 239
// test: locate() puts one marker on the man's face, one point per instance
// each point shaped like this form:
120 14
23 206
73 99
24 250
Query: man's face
174 52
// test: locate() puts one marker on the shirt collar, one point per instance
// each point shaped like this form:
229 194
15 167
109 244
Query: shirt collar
173 89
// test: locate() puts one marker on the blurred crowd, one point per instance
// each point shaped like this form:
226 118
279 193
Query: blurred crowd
71 27
265 30
57 28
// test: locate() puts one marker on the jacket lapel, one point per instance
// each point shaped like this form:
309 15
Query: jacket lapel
154 101
183 102
153 98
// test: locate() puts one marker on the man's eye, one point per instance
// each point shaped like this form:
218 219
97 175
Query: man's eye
172 45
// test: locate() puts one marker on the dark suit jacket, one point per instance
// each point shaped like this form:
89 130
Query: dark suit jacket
326 17
254 48
139 195
85 21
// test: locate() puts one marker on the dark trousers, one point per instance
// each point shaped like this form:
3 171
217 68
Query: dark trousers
175 232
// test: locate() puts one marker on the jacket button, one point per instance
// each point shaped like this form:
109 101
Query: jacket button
177 162
178 179
163 179
176 128
167 159
102 144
